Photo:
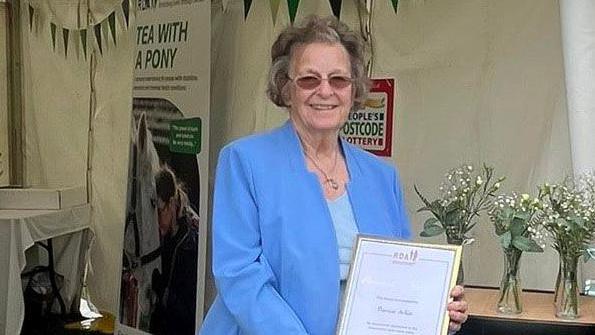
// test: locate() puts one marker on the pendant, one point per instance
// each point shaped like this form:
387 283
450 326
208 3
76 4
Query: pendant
333 183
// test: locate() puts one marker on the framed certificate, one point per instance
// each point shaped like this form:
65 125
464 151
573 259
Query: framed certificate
397 287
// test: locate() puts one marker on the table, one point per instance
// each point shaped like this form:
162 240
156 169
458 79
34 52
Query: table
19 230
538 316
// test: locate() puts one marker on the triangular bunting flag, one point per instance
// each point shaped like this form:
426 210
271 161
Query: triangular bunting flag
274 9
65 33
247 4
53 30
31 12
395 3
83 35
224 4
97 30
292 5
126 10
336 7
111 20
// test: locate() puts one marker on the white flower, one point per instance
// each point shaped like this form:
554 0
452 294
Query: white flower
479 181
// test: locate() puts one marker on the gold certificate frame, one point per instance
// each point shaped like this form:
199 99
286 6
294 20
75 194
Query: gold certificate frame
397 287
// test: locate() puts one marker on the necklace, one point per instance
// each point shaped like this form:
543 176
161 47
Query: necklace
327 180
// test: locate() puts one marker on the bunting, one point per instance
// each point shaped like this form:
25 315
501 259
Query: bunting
247 4
98 28
97 31
31 12
336 7
111 20
65 33
53 30
224 4
395 3
292 6
83 36
126 11
274 9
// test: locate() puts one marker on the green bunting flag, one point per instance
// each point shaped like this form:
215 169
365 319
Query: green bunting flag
274 9
65 33
80 42
83 36
336 7
395 3
53 30
247 4
97 31
111 20
224 4
292 5
31 12
126 10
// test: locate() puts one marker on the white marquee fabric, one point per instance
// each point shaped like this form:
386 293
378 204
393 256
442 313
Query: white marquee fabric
578 40
64 96
477 81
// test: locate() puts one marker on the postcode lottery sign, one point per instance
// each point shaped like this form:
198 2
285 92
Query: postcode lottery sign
371 127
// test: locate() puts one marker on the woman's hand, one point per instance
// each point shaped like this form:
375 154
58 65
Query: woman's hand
457 309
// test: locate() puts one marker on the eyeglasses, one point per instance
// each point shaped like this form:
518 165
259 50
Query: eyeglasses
310 82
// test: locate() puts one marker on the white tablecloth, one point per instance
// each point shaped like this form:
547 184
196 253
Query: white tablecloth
19 229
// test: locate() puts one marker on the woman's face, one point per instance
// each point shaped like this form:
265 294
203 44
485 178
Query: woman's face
325 107
166 214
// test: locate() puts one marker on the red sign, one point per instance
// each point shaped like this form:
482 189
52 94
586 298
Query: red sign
372 127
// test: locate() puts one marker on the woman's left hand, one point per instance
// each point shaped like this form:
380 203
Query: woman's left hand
457 309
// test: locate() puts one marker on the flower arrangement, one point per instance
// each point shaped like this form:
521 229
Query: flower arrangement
569 217
516 223
464 193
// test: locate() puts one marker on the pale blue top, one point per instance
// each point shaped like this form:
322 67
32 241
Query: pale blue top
345 229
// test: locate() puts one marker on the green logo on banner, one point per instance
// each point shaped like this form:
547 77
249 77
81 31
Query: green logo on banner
184 136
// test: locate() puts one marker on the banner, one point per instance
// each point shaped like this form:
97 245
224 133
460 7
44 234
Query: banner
371 128
162 282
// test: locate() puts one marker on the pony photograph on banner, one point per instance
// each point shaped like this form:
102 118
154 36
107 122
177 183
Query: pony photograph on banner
158 286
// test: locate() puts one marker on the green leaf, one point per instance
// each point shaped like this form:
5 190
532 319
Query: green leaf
423 199
526 244
506 213
453 206
431 230
517 227
524 216
500 228
423 209
430 222
505 240
452 218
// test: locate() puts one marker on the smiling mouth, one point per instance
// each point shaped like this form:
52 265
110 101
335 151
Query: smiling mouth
323 107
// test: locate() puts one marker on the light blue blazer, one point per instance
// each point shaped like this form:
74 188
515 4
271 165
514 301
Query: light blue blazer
275 255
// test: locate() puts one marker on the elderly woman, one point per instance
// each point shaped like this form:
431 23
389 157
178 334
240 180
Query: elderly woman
288 203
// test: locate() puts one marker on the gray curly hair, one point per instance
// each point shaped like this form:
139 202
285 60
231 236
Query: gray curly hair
316 29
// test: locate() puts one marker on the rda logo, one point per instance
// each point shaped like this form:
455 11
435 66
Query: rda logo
405 256
146 4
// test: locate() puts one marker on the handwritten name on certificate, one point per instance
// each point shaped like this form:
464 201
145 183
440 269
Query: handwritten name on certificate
399 288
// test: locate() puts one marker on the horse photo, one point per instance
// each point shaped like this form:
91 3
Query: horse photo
142 255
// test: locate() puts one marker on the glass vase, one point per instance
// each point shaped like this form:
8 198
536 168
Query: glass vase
566 296
461 274
510 301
